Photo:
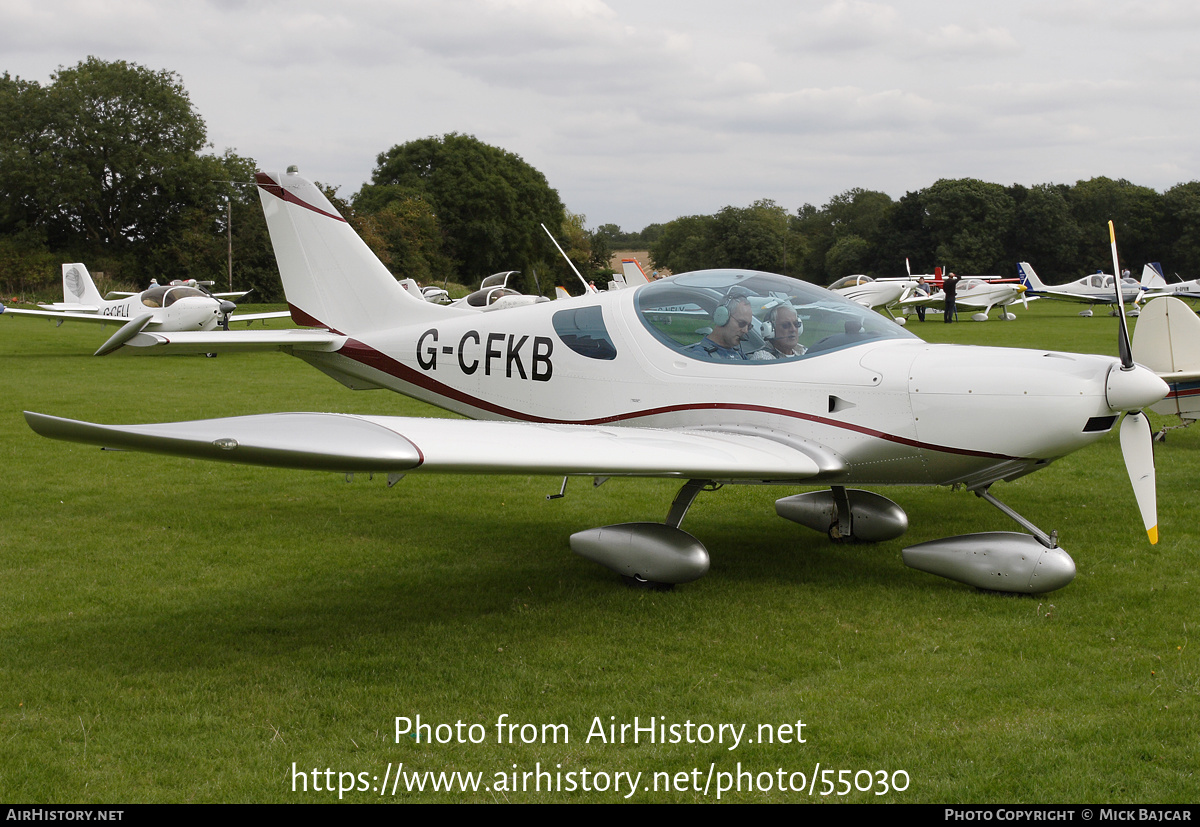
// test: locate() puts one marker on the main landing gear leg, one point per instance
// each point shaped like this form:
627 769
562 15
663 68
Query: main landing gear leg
1002 561
1048 540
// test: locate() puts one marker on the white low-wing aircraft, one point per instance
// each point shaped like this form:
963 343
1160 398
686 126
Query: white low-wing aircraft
1098 288
979 293
625 383
169 307
875 293
1155 285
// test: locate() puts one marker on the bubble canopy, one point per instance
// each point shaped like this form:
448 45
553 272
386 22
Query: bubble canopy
682 310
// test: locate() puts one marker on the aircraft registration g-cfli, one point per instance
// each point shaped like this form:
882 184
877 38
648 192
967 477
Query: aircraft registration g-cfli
165 307
670 379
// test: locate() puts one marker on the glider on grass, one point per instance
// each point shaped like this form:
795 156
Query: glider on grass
169 307
712 377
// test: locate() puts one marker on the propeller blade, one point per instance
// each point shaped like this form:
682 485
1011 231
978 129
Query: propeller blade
1123 346
1137 446
227 309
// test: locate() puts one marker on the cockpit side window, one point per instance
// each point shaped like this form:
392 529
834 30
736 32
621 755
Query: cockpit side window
582 330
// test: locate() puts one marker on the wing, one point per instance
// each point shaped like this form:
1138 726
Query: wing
258 317
347 443
75 316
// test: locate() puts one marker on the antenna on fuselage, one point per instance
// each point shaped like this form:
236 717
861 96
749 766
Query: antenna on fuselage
587 288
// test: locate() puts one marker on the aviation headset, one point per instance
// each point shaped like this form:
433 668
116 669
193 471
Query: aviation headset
770 310
732 299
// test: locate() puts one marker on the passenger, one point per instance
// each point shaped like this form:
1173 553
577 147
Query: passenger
731 324
781 328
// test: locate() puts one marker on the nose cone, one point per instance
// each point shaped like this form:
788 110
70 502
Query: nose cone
1133 389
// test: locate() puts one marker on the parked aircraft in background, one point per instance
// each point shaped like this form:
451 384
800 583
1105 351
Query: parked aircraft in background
621 383
1167 340
978 293
1156 285
170 307
876 294
495 294
1097 288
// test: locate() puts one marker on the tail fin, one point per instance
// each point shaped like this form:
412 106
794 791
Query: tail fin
1029 277
1152 275
78 287
330 276
1167 337
634 274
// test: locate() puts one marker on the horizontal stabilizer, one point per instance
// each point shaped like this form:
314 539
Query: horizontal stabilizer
233 341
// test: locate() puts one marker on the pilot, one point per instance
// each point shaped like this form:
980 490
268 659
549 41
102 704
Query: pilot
731 324
781 328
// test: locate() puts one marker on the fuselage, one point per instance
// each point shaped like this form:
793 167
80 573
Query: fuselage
172 308
888 407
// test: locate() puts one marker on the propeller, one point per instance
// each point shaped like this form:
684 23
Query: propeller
227 308
1129 390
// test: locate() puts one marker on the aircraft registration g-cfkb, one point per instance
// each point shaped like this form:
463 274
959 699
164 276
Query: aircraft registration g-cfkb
668 380
175 306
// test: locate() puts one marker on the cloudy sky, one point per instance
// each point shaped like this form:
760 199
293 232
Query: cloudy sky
640 111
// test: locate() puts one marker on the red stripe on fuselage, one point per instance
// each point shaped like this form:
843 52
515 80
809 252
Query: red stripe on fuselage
366 355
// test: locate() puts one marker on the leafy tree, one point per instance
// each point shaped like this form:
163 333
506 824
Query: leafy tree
103 165
968 220
1043 231
751 237
1136 213
684 244
489 203
848 256
1181 207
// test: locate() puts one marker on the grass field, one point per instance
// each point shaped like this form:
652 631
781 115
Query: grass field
180 631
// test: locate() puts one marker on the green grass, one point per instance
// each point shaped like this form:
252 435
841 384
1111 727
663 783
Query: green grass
177 631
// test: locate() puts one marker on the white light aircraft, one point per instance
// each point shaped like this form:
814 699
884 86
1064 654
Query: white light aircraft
980 293
606 384
872 293
170 307
1155 285
1097 288
1167 340
495 294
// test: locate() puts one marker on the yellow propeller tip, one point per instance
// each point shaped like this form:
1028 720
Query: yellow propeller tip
1152 532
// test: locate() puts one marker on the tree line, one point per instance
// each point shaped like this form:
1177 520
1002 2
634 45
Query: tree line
107 164
969 226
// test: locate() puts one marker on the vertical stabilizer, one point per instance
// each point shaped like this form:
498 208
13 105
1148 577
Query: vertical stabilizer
633 272
1167 337
330 276
1029 277
1152 275
78 287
